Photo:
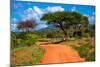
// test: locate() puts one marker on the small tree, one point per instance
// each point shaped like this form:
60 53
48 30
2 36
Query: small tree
26 25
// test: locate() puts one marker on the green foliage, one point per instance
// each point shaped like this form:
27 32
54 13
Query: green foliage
30 39
86 35
92 30
18 49
64 20
50 33
84 46
77 34
23 39
91 56
63 17
84 20
37 53
84 52
14 40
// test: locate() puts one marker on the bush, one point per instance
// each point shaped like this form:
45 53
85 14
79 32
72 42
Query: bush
86 35
14 40
84 52
91 56
30 39
23 39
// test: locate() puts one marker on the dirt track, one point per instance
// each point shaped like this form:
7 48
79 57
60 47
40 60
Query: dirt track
56 53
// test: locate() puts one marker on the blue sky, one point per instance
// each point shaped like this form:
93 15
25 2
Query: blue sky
21 11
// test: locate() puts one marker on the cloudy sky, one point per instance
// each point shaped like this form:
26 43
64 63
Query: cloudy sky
22 11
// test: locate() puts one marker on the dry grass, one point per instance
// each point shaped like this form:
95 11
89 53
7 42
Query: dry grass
26 55
85 47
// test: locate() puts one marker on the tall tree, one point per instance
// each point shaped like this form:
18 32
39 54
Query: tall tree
26 26
63 20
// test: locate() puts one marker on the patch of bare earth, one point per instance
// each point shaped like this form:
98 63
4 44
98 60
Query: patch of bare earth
57 53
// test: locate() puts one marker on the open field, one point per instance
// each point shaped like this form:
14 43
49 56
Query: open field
72 50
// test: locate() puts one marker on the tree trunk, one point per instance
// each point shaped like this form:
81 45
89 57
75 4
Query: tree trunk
65 34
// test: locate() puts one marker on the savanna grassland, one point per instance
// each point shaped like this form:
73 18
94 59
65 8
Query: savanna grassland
69 40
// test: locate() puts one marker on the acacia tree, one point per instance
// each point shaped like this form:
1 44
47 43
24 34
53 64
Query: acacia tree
64 20
26 26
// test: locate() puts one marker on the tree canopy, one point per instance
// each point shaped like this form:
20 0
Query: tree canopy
26 25
65 19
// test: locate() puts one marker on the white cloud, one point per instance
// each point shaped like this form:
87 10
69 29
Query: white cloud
36 13
86 15
13 27
73 8
38 10
29 10
92 19
54 9
28 14
40 26
32 13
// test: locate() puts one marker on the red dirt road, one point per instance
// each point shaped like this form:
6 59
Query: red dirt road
56 53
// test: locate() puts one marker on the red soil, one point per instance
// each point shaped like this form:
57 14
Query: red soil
56 53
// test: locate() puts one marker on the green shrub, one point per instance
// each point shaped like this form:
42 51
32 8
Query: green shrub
23 39
30 39
91 56
86 35
84 52
14 40
37 53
